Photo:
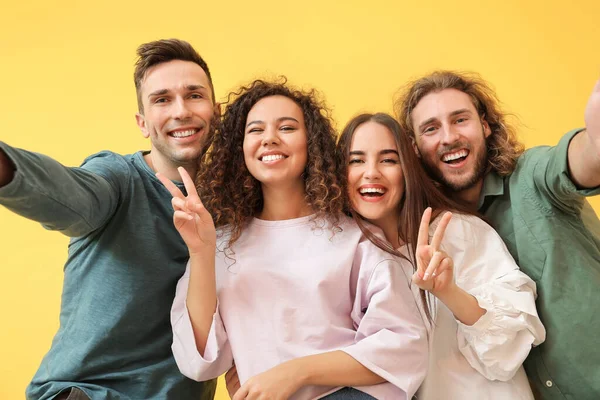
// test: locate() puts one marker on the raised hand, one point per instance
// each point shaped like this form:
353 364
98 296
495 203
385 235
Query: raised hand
434 267
193 222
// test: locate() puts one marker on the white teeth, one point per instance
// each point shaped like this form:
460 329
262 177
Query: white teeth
273 157
181 134
454 156
372 190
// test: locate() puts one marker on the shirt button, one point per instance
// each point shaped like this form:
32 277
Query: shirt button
549 383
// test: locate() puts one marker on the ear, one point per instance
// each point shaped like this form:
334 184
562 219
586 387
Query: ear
217 110
415 147
141 122
487 131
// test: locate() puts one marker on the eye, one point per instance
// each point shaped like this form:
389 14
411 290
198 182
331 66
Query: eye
160 100
287 128
255 130
196 96
461 119
429 130
355 161
390 161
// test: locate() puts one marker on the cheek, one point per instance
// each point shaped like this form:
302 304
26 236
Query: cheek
398 181
301 148
249 148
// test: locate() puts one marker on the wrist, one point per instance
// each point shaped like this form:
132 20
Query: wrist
202 253
298 372
449 292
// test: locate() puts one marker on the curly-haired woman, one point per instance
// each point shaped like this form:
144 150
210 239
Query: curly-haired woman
286 285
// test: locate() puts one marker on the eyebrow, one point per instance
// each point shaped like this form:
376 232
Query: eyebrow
278 120
452 114
382 152
190 88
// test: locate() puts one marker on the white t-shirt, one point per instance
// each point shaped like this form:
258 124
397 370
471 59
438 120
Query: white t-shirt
482 361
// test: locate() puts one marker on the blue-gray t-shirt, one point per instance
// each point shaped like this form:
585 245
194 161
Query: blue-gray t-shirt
125 258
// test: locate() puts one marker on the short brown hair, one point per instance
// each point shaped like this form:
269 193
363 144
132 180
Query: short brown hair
503 147
161 51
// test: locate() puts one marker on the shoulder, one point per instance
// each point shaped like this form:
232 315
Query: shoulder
464 228
109 162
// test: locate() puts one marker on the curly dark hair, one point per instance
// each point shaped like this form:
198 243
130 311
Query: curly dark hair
228 190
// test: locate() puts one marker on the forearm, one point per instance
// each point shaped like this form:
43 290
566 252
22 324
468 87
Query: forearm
74 201
584 159
202 296
463 305
7 169
335 368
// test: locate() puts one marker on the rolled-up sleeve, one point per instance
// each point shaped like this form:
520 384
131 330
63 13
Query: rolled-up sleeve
498 343
391 339
217 358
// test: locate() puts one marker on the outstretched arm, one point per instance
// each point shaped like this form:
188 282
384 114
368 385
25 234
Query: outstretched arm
584 149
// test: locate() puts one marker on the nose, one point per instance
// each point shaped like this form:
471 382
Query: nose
449 134
270 136
181 110
372 171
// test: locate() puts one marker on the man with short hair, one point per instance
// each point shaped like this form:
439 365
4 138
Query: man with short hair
125 255
536 201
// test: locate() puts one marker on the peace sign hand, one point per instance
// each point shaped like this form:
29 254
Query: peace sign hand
434 267
193 222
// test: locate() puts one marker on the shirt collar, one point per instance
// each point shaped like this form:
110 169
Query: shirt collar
493 185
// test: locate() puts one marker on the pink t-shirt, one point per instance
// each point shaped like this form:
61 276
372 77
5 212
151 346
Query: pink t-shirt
293 288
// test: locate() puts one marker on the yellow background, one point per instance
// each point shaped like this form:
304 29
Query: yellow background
67 91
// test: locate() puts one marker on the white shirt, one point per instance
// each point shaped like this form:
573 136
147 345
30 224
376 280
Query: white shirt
482 361
296 289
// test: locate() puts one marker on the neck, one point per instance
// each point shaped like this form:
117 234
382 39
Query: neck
389 226
168 169
282 203
470 196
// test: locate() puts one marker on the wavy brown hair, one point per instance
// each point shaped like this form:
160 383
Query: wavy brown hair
503 147
232 195
420 191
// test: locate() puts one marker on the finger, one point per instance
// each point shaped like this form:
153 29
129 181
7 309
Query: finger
233 388
423 236
438 235
179 204
232 373
188 182
181 216
445 265
423 257
171 187
417 278
241 393
433 264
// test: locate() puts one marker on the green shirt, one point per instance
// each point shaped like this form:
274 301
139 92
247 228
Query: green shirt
125 258
554 235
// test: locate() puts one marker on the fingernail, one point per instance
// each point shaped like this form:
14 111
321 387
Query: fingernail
426 276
